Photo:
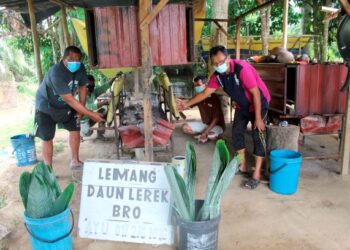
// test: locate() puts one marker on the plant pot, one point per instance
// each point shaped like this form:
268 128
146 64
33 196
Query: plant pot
52 233
197 234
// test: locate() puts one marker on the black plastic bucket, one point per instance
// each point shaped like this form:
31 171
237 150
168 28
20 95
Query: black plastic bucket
201 235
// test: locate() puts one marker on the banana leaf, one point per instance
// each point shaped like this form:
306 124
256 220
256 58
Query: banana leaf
51 179
40 198
24 183
222 187
62 201
41 194
191 165
220 160
178 191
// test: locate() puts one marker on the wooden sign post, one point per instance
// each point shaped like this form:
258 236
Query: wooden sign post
125 201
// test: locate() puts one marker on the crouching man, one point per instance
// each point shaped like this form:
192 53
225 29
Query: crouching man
213 123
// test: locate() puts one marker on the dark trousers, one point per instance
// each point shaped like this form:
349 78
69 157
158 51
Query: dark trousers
239 127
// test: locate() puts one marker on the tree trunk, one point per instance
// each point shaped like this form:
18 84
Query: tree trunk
264 28
324 53
220 10
316 29
324 57
60 37
35 38
52 40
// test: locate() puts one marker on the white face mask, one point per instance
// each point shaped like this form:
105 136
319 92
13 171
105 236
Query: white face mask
199 89
222 68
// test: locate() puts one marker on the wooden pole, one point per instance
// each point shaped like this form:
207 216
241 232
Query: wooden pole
285 24
345 148
65 26
144 9
35 40
238 39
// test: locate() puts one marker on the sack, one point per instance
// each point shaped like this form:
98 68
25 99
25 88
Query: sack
60 115
85 130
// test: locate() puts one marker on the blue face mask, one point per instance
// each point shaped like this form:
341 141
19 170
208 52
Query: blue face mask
199 89
73 66
221 69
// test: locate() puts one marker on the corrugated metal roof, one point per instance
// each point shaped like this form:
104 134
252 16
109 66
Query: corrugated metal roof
117 41
44 8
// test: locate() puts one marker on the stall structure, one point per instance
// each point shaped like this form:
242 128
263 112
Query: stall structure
307 95
124 33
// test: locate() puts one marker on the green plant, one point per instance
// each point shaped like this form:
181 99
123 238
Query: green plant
221 175
41 195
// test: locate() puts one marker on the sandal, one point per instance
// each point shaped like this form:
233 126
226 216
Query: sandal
242 173
251 184
77 166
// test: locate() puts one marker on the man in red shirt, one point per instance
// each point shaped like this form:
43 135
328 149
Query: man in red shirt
245 87
213 121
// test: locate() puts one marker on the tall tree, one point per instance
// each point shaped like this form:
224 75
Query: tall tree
265 26
219 10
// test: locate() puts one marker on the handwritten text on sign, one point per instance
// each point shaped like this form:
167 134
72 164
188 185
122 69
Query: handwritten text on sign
125 201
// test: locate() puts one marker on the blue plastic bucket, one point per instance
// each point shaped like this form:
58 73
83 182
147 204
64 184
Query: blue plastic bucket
24 149
52 233
284 171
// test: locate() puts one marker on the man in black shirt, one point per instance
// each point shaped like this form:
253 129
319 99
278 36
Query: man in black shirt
55 104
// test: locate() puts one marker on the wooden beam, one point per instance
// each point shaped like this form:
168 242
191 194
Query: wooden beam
239 17
146 57
62 4
256 9
35 40
51 25
285 24
213 20
149 18
65 26
221 28
238 39
345 145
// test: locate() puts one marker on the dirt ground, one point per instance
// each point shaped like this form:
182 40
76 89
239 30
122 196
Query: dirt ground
316 217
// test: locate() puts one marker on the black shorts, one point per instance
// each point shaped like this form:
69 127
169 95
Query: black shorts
239 127
45 127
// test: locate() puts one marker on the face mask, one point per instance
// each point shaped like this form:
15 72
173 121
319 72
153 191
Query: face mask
221 69
199 89
73 66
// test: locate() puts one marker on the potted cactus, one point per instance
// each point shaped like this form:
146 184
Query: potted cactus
46 215
198 220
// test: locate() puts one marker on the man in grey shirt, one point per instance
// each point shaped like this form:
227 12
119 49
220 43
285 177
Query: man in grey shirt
56 95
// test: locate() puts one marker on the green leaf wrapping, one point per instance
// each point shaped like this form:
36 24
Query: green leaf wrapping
62 201
220 160
178 191
191 165
40 198
51 179
222 187
41 194
24 182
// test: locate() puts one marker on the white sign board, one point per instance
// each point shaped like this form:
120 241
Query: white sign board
125 201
